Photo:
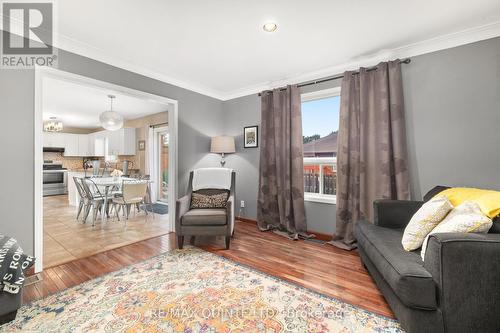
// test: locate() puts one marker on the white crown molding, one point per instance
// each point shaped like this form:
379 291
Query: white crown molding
411 50
74 46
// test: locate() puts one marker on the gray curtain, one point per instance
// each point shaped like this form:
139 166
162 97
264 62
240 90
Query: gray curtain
372 158
280 204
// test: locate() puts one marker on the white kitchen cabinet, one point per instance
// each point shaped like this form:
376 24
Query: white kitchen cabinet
115 139
98 143
128 141
53 140
83 145
121 142
70 144
73 196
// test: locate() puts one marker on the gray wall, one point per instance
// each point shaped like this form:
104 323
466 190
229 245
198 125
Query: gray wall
16 167
452 101
199 119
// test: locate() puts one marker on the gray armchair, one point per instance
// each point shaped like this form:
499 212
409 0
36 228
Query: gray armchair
204 222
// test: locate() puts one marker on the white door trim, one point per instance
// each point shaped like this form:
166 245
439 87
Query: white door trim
156 161
45 72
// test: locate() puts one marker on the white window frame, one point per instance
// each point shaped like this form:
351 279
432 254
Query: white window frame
321 161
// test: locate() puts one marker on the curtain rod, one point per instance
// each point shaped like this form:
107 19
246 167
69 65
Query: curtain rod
338 76
159 125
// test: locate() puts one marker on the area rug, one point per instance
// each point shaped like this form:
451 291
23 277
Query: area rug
157 208
192 291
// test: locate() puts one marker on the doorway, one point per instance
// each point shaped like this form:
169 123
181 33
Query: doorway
59 212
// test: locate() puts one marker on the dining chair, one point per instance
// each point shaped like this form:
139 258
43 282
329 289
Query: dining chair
148 199
133 192
94 196
82 197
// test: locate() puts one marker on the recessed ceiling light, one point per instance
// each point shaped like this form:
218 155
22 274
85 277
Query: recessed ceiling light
270 27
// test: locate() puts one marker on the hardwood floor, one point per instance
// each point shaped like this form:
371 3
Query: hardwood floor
66 239
322 268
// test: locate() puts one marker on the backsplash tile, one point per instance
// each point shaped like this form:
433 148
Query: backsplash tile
74 163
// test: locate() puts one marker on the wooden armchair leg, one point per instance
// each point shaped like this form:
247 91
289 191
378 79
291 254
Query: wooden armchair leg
228 241
180 241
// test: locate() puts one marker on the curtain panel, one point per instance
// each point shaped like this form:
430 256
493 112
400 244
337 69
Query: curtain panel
280 204
372 156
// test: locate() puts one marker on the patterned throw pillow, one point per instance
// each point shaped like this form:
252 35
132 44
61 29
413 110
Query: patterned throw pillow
466 218
216 199
425 219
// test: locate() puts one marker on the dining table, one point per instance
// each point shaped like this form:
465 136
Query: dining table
106 183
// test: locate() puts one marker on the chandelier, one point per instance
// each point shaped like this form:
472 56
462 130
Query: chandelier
111 120
53 125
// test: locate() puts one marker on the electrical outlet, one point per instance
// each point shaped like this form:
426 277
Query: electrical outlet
242 204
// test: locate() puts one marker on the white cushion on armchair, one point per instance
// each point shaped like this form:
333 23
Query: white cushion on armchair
212 178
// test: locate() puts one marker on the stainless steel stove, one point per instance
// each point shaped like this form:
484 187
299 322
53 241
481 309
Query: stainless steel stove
55 178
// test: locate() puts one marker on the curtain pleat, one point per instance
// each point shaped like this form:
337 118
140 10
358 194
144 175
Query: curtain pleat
372 156
280 204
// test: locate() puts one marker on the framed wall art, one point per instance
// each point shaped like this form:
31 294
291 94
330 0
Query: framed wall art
251 137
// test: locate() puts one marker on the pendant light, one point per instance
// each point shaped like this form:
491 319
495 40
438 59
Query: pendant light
111 120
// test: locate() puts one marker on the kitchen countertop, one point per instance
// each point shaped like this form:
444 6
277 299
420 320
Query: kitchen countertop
90 169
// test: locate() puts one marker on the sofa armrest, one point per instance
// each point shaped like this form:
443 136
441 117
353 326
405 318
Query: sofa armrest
466 270
230 213
394 213
181 208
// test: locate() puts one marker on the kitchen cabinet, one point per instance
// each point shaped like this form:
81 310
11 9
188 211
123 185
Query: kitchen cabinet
84 146
97 142
53 140
71 147
120 142
73 196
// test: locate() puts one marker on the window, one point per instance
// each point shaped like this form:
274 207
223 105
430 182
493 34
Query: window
320 124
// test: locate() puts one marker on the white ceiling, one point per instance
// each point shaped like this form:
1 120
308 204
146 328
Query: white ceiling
218 47
80 106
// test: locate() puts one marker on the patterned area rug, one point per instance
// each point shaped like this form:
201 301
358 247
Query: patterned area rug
193 291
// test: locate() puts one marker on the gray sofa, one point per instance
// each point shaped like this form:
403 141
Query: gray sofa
204 222
456 288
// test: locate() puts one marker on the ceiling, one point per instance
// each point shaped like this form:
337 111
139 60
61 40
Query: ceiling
80 106
218 47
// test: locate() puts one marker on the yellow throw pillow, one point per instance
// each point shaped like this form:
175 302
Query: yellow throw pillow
488 200
424 220
465 218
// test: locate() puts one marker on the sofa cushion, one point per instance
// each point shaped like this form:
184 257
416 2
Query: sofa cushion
403 271
208 216
435 191
423 221
495 228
